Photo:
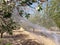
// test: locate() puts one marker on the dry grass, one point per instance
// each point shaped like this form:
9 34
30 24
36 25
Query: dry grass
22 37
19 38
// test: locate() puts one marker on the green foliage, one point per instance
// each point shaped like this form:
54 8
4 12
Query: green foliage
42 20
3 1
29 2
54 11
8 44
34 0
27 16
40 8
7 27
6 23
21 13
7 15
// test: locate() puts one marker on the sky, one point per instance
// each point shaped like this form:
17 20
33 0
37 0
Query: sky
35 5
33 10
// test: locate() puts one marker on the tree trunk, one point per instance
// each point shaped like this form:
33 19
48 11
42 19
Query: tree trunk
2 35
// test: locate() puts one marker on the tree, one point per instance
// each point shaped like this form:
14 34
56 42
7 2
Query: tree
54 11
6 10
6 23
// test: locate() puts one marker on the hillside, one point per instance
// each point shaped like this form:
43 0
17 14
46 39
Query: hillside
22 37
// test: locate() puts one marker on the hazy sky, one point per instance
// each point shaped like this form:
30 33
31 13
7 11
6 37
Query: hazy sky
35 5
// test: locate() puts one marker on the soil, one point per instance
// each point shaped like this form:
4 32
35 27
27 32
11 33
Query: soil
19 38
